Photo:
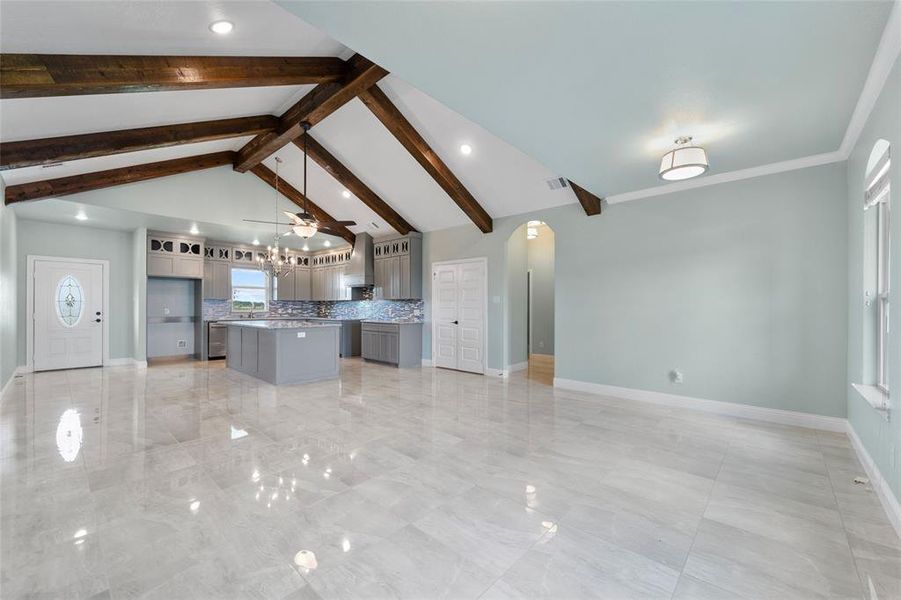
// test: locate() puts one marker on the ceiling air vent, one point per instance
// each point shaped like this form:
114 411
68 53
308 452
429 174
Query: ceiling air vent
557 183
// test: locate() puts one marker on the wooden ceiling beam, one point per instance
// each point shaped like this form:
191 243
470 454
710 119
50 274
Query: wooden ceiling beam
40 75
590 203
353 184
64 186
322 101
391 117
294 195
28 153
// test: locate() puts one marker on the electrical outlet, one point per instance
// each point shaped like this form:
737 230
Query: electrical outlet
165 310
675 376
301 334
181 344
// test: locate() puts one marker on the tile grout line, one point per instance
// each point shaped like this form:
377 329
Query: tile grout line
704 512
841 517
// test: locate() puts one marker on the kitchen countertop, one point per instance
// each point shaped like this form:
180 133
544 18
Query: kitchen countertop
275 318
392 321
281 324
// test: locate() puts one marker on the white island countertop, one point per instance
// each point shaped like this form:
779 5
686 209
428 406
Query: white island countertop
281 324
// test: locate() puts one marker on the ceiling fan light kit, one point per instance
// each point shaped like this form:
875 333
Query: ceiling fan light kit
303 224
684 161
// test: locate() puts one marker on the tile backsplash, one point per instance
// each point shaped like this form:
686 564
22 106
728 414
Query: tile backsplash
344 309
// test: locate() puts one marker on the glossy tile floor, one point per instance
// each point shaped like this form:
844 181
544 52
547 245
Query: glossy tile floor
191 481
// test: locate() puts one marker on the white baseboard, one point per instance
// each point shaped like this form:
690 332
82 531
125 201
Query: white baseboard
495 372
772 415
518 367
9 382
880 484
427 362
125 362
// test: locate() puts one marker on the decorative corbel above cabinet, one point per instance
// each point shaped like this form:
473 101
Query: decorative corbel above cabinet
397 268
169 255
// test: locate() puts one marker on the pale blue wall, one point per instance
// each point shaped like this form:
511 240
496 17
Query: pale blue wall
541 263
8 283
881 438
139 293
742 286
517 307
80 241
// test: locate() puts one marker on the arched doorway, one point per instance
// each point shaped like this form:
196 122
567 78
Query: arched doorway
529 315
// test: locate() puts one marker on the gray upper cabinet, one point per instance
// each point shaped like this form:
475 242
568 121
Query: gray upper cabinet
398 268
327 275
174 256
216 280
217 275
294 285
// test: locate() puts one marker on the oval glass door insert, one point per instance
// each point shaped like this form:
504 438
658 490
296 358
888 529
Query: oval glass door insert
69 301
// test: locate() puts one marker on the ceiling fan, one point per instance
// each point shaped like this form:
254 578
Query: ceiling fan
303 224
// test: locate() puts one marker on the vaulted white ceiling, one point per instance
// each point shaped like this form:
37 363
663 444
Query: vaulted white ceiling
567 121
599 90
500 177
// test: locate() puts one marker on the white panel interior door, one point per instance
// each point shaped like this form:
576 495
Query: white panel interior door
471 315
444 280
459 314
69 316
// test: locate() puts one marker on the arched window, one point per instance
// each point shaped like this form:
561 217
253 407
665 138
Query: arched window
877 204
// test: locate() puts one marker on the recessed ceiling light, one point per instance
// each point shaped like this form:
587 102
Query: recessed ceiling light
194 230
346 194
466 149
326 243
221 27
256 242
81 216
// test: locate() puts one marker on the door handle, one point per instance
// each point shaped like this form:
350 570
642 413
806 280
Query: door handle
96 320
97 313
456 322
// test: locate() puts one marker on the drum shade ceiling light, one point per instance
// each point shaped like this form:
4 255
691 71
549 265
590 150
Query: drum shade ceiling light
684 161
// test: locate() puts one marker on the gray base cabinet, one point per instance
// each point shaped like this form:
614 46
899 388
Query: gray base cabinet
281 355
393 343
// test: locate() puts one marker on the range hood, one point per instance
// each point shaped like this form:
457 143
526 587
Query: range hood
358 272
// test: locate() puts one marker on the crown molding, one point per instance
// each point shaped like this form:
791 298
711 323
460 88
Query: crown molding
886 54
779 167
883 61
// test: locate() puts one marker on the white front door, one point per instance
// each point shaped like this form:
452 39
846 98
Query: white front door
458 298
69 316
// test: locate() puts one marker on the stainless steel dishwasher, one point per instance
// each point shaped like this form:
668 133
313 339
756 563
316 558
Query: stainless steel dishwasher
217 340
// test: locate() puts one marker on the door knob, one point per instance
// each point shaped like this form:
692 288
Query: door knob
97 313
96 320
456 322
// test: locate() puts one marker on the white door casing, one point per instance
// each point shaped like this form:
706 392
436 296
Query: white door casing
63 329
459 319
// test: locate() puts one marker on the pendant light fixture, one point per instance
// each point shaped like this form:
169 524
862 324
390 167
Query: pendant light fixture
276 261
684 161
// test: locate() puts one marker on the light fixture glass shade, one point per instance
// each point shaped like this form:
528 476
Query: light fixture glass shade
531 233
304 231
683 162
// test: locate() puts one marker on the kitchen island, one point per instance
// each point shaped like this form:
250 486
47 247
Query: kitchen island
284 351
